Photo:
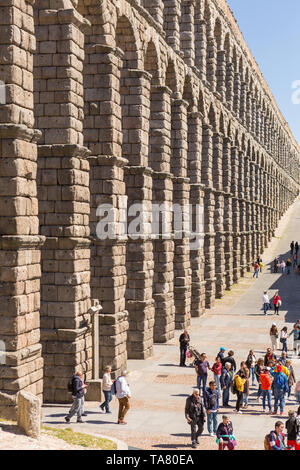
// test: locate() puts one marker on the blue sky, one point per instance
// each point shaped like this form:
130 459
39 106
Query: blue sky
271 29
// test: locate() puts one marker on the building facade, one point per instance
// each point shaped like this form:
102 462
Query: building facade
126 102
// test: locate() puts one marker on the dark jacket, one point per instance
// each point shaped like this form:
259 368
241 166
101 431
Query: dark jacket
292 428
225 378
211 399
231 360
267 359
194 410
184 344
78 391
224 431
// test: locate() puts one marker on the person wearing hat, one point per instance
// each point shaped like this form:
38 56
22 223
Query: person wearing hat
221 353
266 381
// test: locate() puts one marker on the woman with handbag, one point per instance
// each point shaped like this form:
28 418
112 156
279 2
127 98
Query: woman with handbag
277 303
225 437
283 339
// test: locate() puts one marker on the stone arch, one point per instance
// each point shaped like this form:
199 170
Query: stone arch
126 40
152 62
171 77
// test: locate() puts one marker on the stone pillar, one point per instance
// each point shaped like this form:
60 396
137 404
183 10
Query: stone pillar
211 63
248 213
237 93
228 244
187 34
200 47
155 8
20 272
64 201
243 104
229 85
241 192
196 202
162 195
235 214
219 214
182 271
221 74
171 23
209 207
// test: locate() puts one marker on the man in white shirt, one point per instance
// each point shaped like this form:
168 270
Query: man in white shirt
266 302
123 395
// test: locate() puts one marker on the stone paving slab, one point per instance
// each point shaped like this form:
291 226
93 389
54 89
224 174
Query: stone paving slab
156 418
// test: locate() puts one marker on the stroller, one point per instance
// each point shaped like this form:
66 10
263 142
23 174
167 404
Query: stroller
193 354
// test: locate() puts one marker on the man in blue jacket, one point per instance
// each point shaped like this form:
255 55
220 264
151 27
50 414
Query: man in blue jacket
280 387
225 380
78 388
211 403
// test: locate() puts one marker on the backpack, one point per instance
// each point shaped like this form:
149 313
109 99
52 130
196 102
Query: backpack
233 387
267 445
114 387
70 385
279 382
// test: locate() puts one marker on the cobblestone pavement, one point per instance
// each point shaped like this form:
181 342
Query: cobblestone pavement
159 387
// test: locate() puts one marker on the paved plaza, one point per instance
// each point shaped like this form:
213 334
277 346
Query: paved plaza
159 386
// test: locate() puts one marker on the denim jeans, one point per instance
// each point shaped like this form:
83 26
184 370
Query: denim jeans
212 419
266 308
201 379
255 273
217 380
245 399
259 391
182 356
279 399
284 346
108 398
252 374
266 394
226 396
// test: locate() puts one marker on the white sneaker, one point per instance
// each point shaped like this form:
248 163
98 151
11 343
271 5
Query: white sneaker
240 412
212 434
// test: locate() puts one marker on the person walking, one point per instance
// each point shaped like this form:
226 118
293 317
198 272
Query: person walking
107 383
283 339
274 334
294 260
296 248
291 378
217 369
275 263
211 403
78 387
256 269
184 341
280 389
250 363
288 266
292 430
239 383
266 302
225 437
266 385
277 302
202 366
296 337
123 395
282 266
292 245
195 416
225 380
